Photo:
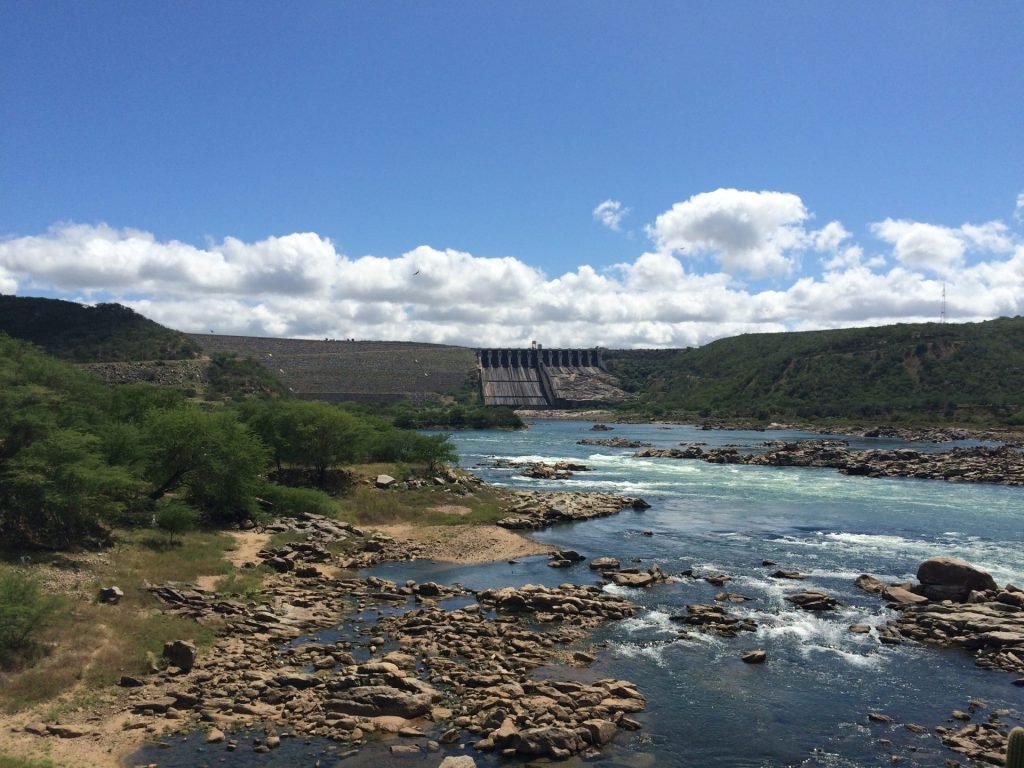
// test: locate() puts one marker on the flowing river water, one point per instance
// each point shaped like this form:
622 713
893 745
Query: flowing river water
808 705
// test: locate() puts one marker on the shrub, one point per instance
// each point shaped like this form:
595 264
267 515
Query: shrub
24 612
290 502
175 517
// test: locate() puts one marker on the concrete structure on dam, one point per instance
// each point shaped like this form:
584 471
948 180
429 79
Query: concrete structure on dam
546 378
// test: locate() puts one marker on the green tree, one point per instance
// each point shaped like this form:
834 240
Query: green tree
175 518
435 451
59 491
24 612
309 433
212 457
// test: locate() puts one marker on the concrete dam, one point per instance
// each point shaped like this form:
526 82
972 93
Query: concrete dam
546 378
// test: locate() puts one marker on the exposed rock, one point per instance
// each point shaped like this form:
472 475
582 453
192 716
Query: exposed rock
731 597
634 577
385 481
604 564
780 574
870 584
569 554
714 618
181 654
989 624
1003 464
951 578
613 442
902 596
458 761
549 741
534 511
377 700
813 600
66 731
754 657
110 595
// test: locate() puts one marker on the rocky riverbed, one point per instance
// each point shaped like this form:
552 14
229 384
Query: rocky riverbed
429 674
430 668
1003 465
955 605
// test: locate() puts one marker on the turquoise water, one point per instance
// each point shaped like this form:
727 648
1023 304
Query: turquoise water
808 704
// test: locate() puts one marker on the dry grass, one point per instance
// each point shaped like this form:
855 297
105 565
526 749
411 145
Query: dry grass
367 505
91 644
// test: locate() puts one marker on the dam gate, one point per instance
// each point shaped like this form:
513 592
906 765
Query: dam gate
545 378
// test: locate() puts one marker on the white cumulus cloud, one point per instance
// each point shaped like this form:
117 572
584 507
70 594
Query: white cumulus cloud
611 213
747 232
937 248
301 285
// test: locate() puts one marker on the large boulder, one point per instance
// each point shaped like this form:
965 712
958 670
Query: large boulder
377 700
949 578
181 654
551 741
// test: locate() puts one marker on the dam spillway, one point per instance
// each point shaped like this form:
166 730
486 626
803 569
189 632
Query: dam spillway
545 378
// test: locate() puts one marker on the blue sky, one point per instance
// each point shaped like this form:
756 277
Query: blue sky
288 169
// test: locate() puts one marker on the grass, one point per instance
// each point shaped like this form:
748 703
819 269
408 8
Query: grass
93 644
245 584
17 762
482 513
368 505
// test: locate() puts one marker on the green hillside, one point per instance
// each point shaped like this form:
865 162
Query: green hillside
928 372
103 333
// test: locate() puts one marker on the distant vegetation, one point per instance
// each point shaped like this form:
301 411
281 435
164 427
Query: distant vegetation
231 377
104 333
78 457
452 416
969 373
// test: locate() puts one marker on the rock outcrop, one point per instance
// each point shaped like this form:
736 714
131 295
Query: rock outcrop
533 511
1003 465
957 605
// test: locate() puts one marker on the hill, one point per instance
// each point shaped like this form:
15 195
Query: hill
103 333
357 371
925 372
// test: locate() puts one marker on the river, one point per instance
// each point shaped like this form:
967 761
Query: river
808 705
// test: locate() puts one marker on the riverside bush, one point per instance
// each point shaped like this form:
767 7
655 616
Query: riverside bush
24 612
174 517
292 502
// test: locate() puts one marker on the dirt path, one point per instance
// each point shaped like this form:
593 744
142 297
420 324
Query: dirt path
249 543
